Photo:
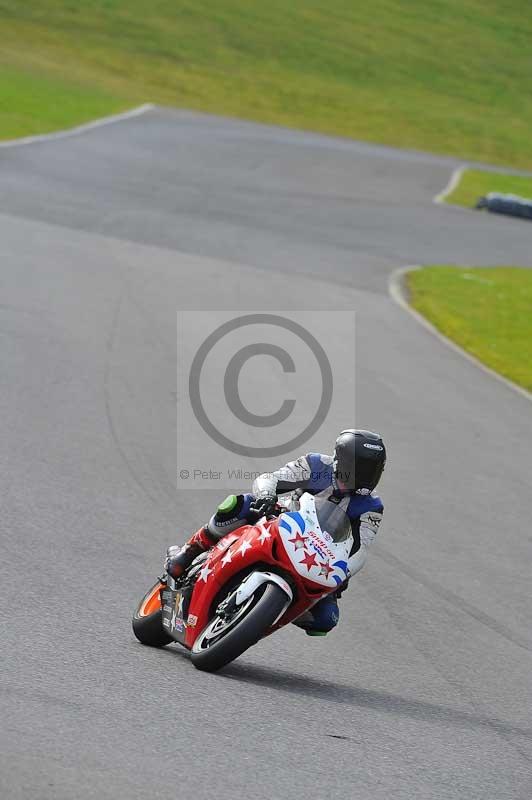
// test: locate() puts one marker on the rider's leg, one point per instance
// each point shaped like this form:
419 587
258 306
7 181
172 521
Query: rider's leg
179 559
321 618
230 515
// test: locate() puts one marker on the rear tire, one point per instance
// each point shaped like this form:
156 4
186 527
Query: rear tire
147 620
210 653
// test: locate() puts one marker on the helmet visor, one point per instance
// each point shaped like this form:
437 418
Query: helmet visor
365 474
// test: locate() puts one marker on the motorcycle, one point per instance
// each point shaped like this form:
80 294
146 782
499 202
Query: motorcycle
253 582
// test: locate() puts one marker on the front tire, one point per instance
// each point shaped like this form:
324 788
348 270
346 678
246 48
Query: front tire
221 641
147 620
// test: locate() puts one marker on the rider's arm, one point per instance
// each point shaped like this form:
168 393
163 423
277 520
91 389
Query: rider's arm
367 530
294 475
234 510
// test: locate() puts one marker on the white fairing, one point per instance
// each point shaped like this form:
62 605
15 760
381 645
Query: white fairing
250 585
312 551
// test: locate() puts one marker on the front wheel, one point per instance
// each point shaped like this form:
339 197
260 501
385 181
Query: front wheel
226 638
147 620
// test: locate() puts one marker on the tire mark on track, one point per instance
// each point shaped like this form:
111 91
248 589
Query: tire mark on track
506 732
457 601
108 410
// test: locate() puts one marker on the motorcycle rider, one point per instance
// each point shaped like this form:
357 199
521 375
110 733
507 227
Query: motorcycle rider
348 477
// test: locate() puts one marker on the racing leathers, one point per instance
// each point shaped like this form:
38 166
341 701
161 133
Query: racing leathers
313 473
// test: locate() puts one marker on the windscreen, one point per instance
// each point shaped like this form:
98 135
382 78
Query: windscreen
333 519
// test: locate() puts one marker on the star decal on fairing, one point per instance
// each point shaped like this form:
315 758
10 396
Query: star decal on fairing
325 568
205 572
243 547
227 558
298 542
309 560
264 534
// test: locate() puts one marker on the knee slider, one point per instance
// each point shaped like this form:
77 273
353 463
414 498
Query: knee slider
229 515
230 508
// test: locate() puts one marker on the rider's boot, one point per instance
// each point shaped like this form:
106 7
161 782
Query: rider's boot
179 559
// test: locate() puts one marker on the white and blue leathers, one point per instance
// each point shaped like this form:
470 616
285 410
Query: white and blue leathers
313 473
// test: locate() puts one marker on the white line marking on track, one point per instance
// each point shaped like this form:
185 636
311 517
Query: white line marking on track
87 126
397 293
454 180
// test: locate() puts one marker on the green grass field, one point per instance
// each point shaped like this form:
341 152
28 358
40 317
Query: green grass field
449 76
476 183
487 311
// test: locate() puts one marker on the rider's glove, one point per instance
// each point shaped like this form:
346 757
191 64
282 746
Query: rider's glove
264 504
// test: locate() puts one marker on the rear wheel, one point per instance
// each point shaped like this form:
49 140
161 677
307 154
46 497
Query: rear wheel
227 637
147 620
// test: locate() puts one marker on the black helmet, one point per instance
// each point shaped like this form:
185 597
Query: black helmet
359 459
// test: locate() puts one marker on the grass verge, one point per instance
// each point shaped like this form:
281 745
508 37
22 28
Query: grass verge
475 183
485 310
32 103
444 76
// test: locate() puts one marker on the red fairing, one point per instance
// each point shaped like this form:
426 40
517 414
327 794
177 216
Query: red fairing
202 539
238 552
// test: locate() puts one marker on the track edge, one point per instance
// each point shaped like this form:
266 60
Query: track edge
396 290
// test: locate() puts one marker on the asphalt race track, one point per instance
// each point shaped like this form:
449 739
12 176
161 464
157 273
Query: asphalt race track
424 691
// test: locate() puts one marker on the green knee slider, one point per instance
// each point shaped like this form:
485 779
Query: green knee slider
230 507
